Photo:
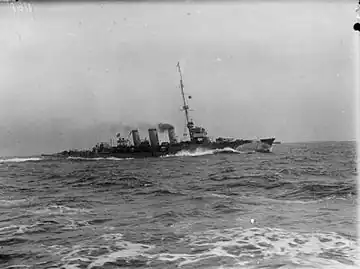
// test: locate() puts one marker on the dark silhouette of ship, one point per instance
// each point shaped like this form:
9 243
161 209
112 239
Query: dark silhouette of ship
197 139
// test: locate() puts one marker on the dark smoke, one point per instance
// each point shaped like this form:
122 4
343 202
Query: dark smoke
125 129
144 126
164 126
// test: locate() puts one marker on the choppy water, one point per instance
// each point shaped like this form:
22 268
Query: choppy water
294 208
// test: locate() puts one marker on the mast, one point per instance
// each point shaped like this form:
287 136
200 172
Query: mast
185 107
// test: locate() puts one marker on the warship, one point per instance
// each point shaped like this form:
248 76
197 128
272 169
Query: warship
197 139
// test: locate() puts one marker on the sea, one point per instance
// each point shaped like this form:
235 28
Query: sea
295 207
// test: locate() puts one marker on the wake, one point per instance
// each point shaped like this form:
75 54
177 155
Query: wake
20 160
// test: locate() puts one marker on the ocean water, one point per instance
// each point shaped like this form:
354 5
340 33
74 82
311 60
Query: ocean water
292 208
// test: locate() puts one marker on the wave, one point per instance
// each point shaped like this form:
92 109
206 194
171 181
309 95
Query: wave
126 182
43 226
114 251
239 247
265 248
161 192
59 210
316 191
6 258
99 159
14 203
20 160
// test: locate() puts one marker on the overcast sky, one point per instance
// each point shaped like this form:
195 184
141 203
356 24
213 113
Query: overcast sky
74 74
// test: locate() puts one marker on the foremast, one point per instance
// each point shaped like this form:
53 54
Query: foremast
197 134
185 107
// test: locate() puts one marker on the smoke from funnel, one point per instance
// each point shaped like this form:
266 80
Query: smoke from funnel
164 126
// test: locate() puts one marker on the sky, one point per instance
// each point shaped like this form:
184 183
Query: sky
74 74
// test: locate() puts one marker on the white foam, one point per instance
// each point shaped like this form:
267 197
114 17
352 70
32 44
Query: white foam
17 266
241 248
99 158
220 195
128 250
202 152
8 229
19 160
117 249
18 229
248 246
59 209
116 236
228 149
11 203
118 159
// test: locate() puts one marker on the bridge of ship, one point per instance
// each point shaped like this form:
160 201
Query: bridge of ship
198 134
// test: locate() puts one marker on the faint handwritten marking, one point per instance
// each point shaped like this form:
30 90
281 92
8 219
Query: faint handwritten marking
13 7
357 24
20 7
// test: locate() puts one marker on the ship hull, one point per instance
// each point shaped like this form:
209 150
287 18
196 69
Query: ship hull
144 149
263 145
